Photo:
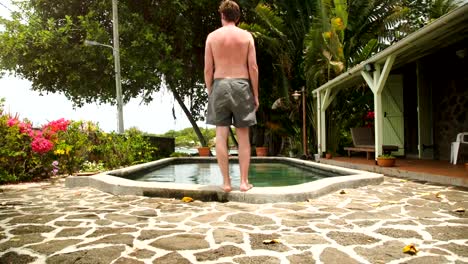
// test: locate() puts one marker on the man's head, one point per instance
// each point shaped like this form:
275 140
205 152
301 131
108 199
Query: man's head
229 10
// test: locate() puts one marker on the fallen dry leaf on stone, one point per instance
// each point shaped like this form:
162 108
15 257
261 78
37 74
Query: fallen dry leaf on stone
343 192
187 199
439 195
271 241
410 249
460 210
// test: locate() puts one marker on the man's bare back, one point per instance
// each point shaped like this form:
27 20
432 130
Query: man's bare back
230 53
230 46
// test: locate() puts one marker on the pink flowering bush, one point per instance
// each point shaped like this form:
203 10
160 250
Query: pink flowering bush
26 153
63 147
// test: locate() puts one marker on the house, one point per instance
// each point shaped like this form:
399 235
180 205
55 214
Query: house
420 87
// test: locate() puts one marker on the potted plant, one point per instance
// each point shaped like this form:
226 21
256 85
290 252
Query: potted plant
328 155
386 160
261 151
204 151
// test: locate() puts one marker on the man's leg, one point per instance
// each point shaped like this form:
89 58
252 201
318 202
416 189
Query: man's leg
244 157
222 133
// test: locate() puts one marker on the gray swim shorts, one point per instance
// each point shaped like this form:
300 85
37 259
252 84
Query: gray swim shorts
231 102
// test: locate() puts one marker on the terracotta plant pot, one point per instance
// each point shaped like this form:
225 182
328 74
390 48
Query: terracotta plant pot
204 151
328 155
386 162
466 167
261 151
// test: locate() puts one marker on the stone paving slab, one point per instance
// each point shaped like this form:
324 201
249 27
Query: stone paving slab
49 223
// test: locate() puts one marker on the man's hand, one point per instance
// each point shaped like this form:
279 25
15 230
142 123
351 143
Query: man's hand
257 103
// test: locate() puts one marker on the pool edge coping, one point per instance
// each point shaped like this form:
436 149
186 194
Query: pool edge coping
294 193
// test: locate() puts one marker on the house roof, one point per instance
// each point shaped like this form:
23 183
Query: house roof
443 32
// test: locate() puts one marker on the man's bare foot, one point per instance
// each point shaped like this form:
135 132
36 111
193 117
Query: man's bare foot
227 188
245 187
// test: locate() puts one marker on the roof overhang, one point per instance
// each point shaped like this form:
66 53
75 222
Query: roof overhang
443 32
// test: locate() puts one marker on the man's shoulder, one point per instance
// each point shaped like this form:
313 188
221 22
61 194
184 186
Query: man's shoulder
222 32
213 34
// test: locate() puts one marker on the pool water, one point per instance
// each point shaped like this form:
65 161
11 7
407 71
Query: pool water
260 174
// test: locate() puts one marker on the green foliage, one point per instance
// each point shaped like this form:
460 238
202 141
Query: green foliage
73 147
116 150
188 138
13 153
92 166
386 156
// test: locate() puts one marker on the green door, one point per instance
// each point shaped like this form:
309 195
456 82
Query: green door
392 108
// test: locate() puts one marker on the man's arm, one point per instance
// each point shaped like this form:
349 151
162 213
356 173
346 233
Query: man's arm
209 65
253 69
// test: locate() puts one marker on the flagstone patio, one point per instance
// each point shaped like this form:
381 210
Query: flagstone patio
48 223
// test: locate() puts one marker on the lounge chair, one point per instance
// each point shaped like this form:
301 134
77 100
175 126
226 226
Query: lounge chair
462 138
364 141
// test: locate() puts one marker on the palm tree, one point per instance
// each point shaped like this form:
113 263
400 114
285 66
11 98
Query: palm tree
439 8
343 34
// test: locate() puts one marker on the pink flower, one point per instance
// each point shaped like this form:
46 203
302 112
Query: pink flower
12 122
369 119
41 145
35 133
25 128
50 130
57 125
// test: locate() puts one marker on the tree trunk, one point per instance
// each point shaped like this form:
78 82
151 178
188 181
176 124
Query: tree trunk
190 118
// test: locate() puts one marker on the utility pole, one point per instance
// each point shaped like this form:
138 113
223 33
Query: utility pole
118 83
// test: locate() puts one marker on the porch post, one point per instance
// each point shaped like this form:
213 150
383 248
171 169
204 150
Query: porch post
377 83
378 115
323 123
319 126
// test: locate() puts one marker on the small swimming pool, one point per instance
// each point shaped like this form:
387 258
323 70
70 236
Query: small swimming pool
275 179
261 174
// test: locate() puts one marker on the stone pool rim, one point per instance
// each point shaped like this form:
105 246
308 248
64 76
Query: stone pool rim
118 185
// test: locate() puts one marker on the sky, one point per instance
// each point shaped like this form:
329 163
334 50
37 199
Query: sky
154 118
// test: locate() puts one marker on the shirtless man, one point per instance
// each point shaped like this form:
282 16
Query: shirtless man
231 78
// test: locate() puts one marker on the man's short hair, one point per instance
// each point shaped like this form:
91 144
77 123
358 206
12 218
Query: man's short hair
230 10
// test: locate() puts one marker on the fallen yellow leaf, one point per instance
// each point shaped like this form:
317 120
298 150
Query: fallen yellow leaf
343 192
187 199
439 195
271 241
403 180
410 249
460 210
